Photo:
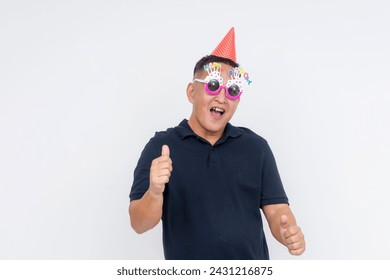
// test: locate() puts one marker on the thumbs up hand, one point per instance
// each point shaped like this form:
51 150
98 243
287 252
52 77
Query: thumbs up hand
292 236
160 171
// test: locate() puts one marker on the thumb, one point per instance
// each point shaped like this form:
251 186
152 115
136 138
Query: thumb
284 222
165 150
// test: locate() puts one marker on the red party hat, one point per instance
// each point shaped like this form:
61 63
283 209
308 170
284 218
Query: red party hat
227 47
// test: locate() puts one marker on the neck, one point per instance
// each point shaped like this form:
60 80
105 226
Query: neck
211 136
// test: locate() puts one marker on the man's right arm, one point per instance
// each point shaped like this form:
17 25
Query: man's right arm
145 213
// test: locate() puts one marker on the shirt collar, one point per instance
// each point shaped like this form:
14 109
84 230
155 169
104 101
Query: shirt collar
184 130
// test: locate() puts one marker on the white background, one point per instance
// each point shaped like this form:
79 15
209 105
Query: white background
85 84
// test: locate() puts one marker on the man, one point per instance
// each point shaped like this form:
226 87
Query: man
207 180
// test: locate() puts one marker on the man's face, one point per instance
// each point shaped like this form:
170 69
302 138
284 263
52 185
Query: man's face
210 113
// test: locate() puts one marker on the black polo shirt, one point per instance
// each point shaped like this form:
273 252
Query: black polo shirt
211 203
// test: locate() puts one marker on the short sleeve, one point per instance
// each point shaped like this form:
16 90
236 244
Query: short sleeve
142 170
272 186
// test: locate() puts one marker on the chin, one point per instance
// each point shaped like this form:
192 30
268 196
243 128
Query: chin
216 126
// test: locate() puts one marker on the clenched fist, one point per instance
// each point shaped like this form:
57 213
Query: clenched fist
160 171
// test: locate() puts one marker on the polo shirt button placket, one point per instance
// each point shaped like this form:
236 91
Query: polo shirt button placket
213 156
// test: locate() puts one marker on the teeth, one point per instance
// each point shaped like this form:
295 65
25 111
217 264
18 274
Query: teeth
219 110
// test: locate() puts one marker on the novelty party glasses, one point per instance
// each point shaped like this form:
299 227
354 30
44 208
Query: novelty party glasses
213 87
213 83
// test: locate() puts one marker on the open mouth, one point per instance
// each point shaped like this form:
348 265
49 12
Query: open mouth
218 111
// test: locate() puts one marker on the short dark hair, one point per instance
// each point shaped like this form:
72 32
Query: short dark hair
212 58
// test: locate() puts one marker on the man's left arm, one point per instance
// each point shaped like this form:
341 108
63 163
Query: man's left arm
284 228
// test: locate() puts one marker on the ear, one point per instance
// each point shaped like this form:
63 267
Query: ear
190 92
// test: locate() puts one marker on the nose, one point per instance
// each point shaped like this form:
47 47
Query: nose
221 96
